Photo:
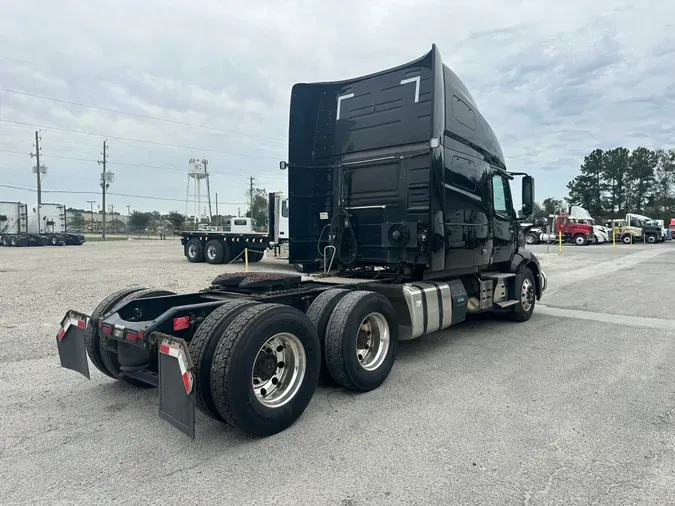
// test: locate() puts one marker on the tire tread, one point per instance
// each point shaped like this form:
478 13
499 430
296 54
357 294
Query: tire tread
212 324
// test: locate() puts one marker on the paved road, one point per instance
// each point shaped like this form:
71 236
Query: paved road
573 407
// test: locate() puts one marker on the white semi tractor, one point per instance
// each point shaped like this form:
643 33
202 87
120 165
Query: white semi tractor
21 225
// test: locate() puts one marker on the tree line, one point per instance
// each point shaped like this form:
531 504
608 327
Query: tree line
139 219
618 181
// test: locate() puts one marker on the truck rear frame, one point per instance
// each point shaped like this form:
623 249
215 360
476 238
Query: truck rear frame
345 328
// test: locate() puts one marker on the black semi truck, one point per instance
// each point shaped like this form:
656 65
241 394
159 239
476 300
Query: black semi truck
402 210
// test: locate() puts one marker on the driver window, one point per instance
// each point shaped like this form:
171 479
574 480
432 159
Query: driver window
284 209
500 201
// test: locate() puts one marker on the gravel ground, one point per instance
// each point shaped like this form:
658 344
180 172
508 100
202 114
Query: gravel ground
559 410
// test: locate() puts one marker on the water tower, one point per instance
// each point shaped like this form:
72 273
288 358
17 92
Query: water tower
197 173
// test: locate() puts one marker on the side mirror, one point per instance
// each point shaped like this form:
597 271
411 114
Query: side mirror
283 165
528 195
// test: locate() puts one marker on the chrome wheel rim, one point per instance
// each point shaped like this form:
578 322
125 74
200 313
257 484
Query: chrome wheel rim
192 250
529 239
372 341
278 370
527 294
580 240
211 252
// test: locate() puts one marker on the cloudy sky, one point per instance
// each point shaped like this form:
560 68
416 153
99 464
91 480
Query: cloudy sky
212 79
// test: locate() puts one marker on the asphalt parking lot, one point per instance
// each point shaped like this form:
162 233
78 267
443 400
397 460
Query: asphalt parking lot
576 406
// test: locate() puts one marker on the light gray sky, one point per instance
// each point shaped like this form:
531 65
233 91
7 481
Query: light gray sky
554 79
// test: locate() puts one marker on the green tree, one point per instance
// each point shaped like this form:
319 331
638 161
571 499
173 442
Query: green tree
551 206
77 220
641 178
615 173
177 219
257 209
664 185
586 190
139 219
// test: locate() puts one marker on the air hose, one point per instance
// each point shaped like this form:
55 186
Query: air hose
344 239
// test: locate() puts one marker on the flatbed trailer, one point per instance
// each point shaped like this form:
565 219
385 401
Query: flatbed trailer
223 247
217 247
398 241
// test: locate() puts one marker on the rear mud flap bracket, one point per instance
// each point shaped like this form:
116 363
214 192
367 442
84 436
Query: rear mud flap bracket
176 384
70 343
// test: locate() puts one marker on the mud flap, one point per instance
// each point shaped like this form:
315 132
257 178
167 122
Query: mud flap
70 342
176 384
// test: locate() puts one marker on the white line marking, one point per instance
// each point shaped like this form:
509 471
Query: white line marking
615 319
339 102
415 80
563 279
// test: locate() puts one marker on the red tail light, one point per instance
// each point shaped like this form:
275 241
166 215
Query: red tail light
131 336
107 330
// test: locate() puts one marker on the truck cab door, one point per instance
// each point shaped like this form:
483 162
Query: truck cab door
503 226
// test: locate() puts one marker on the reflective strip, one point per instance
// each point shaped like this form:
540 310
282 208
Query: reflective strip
176 351
71 321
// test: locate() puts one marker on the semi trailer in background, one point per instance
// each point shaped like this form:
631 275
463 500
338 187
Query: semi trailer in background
21 225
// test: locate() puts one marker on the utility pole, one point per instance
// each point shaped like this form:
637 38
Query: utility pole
208 188
91 212
217 208
251 193
38 173
106 179
128 213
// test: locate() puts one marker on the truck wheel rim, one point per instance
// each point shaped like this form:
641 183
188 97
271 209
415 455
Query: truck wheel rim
526 294
530 239
278 370
372 341
211 252
192 250
580 240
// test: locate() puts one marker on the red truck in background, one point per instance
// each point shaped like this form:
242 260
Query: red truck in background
572 231
671 227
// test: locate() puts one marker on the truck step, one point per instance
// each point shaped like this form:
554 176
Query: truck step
506 303
497 275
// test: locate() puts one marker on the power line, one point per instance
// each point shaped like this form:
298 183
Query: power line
145 116
32 125
71 192
176 169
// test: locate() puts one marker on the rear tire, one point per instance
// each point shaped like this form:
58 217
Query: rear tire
255 256
319 313
109 358
524 290
202 347
194 251
246 363
361 341
214 251
91 338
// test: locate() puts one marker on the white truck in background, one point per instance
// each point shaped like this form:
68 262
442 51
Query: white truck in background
601 234
24 226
